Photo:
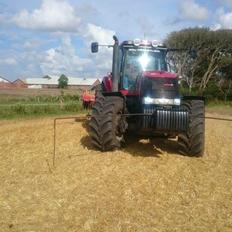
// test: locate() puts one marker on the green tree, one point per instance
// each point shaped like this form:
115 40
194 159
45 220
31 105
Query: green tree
224 76
211 47
62 82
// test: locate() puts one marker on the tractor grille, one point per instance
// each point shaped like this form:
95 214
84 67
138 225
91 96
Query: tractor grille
149 121
168 120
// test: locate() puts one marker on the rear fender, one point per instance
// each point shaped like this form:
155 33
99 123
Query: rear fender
115 94
107 83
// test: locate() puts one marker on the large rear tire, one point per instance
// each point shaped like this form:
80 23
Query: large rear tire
107 125
192 141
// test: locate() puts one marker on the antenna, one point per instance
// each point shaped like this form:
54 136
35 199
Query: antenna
144 35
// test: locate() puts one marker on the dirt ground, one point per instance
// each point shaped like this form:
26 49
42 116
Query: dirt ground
147 186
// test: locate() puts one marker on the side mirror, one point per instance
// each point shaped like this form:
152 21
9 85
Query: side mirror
94 47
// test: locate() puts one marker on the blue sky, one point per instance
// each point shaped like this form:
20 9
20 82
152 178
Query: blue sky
40 37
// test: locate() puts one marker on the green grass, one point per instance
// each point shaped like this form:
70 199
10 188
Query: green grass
219 107
38 99
24 110
220 104
39 106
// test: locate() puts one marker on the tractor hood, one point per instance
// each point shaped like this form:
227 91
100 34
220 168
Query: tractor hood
155 84
159 84
159 74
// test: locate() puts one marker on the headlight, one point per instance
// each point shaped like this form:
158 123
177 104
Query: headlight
177 101
156 43
137 42
148 100
161 101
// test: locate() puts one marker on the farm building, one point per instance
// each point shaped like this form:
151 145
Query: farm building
52 82
18 83
4 80
6 84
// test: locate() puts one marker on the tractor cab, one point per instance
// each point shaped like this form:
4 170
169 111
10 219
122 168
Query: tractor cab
141 96
137 57
142 70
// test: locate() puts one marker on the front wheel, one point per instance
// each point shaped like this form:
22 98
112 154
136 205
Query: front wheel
107 125
192 141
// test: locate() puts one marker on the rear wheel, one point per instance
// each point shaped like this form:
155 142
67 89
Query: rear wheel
107 125
192 141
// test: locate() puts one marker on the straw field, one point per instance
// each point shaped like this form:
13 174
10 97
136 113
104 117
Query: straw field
147 186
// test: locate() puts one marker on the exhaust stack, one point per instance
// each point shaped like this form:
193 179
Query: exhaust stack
115 68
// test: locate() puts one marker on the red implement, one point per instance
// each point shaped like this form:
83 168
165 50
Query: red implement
88 99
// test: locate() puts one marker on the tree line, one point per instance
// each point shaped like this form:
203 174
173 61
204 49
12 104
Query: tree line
204 61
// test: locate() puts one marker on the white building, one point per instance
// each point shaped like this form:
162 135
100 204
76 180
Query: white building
52 82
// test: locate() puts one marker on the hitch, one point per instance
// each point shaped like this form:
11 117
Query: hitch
88 116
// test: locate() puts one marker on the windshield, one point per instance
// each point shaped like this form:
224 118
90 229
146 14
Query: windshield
139 60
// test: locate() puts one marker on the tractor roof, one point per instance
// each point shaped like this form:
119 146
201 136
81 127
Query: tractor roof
143 42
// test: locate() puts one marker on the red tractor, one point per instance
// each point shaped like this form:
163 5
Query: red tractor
142 97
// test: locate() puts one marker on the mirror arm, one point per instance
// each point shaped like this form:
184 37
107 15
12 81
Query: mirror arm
104 45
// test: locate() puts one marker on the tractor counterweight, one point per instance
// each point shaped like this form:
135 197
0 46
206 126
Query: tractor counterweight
166 120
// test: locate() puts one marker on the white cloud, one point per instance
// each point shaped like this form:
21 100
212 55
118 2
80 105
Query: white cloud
224 20
191 10
61 18
101 61
216 27
99 34
53 15
33 43
8 61
63 60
